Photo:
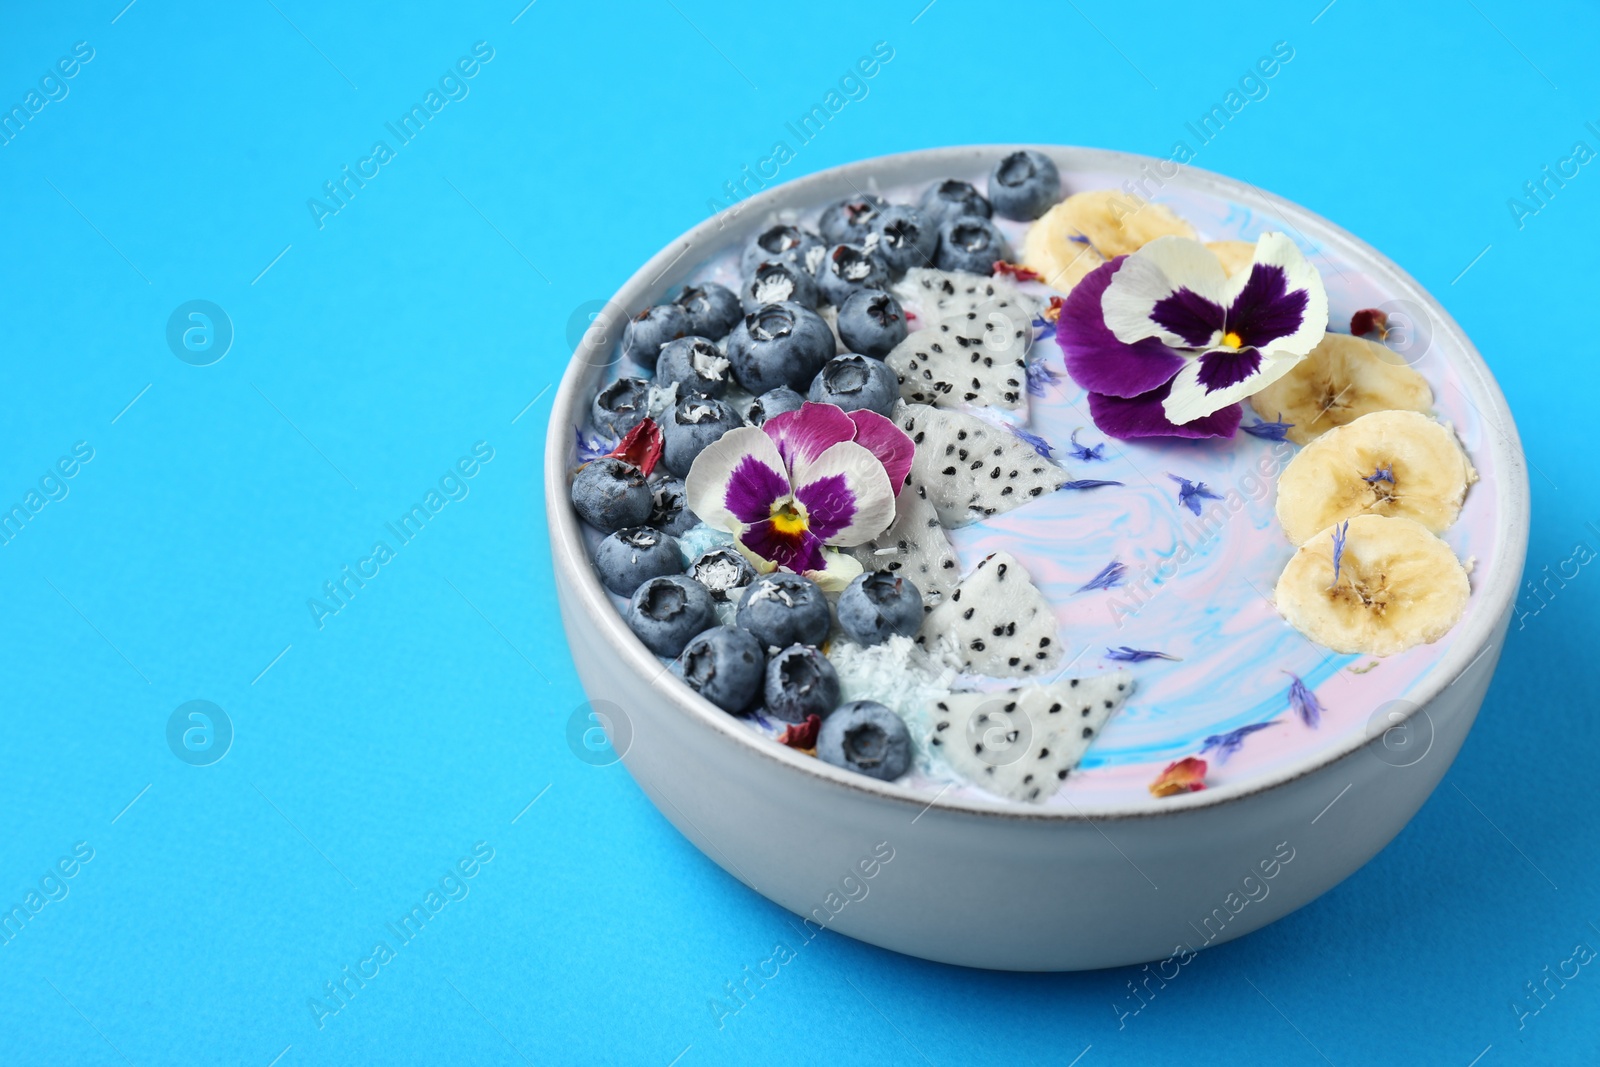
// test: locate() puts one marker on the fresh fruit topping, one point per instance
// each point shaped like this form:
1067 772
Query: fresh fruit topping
666 612
995 622
723 571
696 365
628 558
713 310
971 244
1387 463
969 470
690 427
951 199
914 546
668 512
877 605
802 736
1341 380
640 446
777 281
848 269
871 322
1234 256
783 609
781 241
1115 224
722 664
850 219
779 344
1023 185
853 382
906 238
618 407
1022 743
773 402
800 684
1399 586
610 494
1187 775
977 358
653 327
866 737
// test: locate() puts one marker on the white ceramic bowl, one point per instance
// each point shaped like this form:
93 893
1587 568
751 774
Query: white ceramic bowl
993 884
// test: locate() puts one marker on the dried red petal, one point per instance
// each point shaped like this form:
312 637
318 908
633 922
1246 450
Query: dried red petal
641 446
1187 775
1053 312
1370 321
803 735
1017 271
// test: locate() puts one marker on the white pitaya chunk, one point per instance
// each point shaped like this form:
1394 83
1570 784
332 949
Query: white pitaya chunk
939 294
996 622
1022 743
968 469
915 547
972 349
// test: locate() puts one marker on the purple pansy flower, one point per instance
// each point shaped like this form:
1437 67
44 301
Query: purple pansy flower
1167 344
806 481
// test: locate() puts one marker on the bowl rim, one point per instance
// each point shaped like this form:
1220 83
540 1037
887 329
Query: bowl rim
667 268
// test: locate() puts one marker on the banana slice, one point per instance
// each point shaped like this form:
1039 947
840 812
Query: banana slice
1086 229
1398 586
1398 463
1235 255
1342 379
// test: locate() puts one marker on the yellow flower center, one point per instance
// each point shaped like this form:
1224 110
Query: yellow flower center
1232 340
787 519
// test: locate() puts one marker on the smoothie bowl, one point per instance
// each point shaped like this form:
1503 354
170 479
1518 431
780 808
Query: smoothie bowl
1032 558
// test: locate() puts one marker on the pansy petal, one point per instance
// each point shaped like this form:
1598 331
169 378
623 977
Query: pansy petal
732 477
1172 289
846 495
1220 379
1095 358
840 570
799 551
891 444
1142 416
804 434
1279 303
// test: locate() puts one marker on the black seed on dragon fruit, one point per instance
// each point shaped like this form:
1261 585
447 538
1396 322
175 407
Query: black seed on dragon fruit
969 470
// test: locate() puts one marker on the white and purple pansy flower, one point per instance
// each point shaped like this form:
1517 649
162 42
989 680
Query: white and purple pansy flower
1167 343
803 484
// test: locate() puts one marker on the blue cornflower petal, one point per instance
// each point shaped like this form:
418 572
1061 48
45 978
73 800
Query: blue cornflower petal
1339 533
1227 744
1125 654
1384 473
1191 493
1269 431
1034 441
1087 483
592 447
1040 374
1109 577
1304 702
1086 452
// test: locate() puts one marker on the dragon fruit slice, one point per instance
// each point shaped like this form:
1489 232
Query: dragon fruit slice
995 622
942 294
1022 743
979 359
969 470
914 546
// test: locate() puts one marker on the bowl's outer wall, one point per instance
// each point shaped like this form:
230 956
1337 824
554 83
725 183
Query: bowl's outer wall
989 888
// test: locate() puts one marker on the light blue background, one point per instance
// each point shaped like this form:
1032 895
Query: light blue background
434 310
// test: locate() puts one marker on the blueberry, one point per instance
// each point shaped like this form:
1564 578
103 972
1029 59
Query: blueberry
773 402
784 609
628 557
850 219
723 571
713 310
866 737
906 238
722 664
653 327
781 241
848 269
951 199
668 512
871 322
666 612
971 244
877 605
1024 185
854 381
801 682
773 281
697 365
611 493
688 428
780 344
620 406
